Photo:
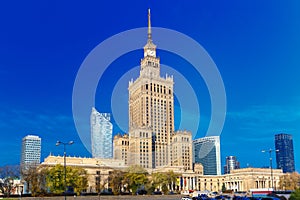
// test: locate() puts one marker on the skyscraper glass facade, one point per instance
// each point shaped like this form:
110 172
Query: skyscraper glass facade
285 154
207 152
101 134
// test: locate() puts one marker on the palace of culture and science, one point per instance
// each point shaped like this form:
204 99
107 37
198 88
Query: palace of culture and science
151 121
153 143
151 118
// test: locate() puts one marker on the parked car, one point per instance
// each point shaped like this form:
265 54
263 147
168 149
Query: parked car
141 192
186 198
157 192
106 192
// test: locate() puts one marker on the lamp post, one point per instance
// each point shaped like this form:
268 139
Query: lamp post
99 179
65 172
270 154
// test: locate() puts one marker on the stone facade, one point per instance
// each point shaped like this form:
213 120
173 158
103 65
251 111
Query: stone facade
97 169
182 149
151 112
241 180
237 180
120 147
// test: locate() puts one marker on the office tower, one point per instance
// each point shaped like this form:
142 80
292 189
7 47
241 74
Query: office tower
231 163
182 149
31 150
101 134
285 154
207 152
151 111
121 146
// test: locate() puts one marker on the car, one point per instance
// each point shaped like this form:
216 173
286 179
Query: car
185 192
141 192
171 193
186 198
106 192
157 192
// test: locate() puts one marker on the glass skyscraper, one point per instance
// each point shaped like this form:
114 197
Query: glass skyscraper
101 134
285 154
31 150
207 152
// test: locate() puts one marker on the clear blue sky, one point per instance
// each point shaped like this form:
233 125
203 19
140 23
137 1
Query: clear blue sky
255 44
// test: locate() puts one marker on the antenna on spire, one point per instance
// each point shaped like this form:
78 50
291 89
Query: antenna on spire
149 25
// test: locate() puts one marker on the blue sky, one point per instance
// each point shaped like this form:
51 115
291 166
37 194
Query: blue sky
255 45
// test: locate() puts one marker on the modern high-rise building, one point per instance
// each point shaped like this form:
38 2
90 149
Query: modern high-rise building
231 163
101 134
151 111
207 152
285 154
31 150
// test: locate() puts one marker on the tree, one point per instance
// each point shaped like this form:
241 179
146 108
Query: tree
136 178
117 178
158 179
295 195
6 186
172 178
79 179
164 180
35 178
7 175
10 171
76 178
223 187
289 181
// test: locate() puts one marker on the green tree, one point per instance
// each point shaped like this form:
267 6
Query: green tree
136 177
223 187
172 178
158 179
295 195
163 180
76 178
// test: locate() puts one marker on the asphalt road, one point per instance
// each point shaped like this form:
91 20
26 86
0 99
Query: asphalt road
129 197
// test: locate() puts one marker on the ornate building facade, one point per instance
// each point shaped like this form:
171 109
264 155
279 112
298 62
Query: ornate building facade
182 150
121 146
98 170
243 179
151 112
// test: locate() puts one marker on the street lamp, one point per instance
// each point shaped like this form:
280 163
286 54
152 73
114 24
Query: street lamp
65 172
270 154
99 181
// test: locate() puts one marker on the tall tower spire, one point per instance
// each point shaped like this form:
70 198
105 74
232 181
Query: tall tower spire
149 25
149 48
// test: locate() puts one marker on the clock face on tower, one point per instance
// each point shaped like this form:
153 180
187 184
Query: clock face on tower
149 52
